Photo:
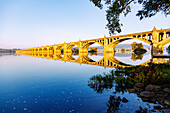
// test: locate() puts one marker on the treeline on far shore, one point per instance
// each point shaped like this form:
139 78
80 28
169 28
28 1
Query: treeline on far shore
7 50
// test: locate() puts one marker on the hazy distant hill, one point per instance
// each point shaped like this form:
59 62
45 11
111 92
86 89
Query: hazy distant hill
128 46
7 50
123 46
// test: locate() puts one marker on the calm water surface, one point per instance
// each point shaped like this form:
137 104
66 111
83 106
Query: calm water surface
35 85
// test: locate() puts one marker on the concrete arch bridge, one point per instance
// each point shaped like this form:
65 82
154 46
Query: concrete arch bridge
156 38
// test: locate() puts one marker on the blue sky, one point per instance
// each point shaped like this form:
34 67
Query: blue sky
32 23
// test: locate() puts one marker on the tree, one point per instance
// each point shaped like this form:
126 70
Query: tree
136 45
117 7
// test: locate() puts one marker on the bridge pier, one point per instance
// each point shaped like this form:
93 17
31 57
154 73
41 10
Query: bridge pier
107 48
81 49
55 49
82 56
156 40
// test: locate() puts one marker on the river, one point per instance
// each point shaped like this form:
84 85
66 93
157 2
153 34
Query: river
30 84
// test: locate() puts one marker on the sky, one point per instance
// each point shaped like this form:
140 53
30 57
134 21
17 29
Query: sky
35 23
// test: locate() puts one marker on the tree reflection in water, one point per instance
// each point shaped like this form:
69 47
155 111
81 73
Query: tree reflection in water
113 104
115 78
100 83
106 82
123 79
143 110
135 57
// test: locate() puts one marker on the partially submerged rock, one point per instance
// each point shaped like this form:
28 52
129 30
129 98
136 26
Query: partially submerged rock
157 88
144 99
131 90
161 94
124 100
157 106
149 88
166 90
139 85
153 88
147 94
138 89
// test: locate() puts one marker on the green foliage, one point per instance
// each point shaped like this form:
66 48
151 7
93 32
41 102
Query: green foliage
135 45
152 7
152 74
123 49
117 7
121 79
124 78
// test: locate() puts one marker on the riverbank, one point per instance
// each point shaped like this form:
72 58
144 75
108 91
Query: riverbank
157 94
8 50
150 83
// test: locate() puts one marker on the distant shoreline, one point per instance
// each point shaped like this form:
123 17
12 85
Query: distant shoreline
8 50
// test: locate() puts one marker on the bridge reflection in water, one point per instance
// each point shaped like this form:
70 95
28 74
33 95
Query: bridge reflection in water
107 60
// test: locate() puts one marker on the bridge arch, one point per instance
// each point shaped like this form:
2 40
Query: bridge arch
58 56
40 50
45 49
71 45
116 42
71 58
95 45
164 42
73 48
89 43
91 61
51 49
36 49
72 51
58 49
163 35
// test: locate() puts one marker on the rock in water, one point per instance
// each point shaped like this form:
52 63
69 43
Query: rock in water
149 88
156 106
166 90
157 88
124 100
153 88
144 99
138 89
131 90
139 85
147 94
